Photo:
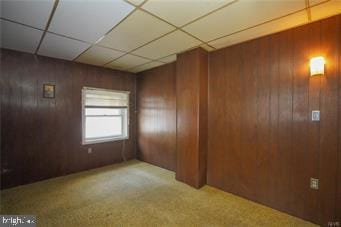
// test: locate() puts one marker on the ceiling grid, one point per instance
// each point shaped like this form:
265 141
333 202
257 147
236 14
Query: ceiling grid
146 33
47 24
307 5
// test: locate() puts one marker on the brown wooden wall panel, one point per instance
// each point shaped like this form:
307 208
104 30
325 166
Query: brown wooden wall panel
303 158
313 130
274 157
338 200
262 143
203 115
191 99
156 106
41 138
328 126
217 120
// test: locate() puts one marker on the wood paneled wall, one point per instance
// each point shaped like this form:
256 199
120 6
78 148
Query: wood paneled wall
156 106
262 142
41 138
191 93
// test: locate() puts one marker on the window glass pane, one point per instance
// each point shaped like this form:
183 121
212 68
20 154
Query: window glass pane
96 127
102 111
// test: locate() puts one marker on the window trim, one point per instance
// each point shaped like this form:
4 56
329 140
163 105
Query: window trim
103 139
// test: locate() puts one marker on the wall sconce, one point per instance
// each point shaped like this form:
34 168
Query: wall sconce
317 66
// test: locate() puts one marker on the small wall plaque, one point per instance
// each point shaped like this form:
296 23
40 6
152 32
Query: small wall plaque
49 91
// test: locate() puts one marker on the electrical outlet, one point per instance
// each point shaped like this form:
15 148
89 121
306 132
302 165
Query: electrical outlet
89 150
314 183
315 115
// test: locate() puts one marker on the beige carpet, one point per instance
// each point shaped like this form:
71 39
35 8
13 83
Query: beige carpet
135 194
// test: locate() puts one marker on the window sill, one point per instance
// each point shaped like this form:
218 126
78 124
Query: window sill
104 140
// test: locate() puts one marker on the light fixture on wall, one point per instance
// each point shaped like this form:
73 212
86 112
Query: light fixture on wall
317 66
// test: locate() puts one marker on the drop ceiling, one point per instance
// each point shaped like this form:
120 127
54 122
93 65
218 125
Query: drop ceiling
136 35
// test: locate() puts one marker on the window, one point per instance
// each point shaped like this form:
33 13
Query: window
104 115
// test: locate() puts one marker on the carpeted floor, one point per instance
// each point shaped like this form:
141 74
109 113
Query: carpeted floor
135 194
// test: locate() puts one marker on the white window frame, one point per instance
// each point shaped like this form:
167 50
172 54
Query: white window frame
102 139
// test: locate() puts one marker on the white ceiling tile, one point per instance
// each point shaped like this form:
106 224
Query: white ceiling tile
60 47
88 20
127 61
241 15
227 41
136 2
170 44
168 59
98 55
34 13
181 12
284 23
18 37
144 67
207 47
138 29
325 10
